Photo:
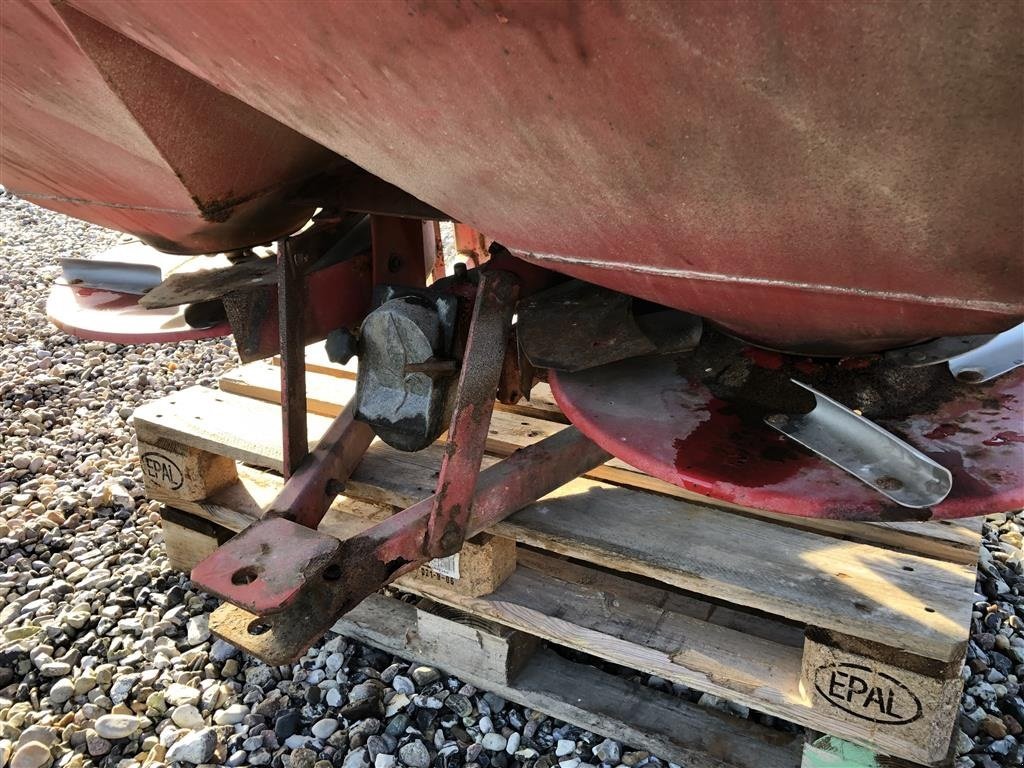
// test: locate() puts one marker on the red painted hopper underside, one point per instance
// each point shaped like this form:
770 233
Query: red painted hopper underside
823 177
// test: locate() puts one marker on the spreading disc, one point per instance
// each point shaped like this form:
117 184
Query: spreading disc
656 414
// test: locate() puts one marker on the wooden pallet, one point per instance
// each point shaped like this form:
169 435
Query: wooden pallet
855 630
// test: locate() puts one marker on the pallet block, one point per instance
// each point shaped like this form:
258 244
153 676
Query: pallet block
484 562
188 539
829 625
183 471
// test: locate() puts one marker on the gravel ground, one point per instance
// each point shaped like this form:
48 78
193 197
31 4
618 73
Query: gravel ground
105 654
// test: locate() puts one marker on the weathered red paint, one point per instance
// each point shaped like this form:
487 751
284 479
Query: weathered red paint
403 250
280 552
826 178
652 417
99 127
336 296
325 577
482 363
470 244
311 490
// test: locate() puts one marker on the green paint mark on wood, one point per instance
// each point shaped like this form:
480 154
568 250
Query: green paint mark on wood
830 752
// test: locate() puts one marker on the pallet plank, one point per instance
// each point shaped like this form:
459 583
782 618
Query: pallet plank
660 632
640 632
584 696
956 541
853 588
236 508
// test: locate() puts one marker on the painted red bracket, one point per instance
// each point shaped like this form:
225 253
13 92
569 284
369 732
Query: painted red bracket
289 584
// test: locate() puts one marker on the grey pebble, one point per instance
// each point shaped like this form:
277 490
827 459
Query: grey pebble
415 754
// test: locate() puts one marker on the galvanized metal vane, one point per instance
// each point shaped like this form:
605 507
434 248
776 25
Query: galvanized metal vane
999 355
937 350
865 450
111 275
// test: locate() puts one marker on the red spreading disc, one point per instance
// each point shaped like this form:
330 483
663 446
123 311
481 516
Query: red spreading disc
91 313
653 414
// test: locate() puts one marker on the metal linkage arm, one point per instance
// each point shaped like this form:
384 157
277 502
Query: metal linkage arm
231 570
308 493
292 583
471 419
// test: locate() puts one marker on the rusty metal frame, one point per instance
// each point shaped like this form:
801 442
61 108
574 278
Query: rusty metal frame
402 249
352 188
481 369
285 582
291 289
295 582
471 244
308 493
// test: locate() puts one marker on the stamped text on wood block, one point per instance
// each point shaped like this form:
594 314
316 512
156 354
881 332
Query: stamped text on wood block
913 699
175 471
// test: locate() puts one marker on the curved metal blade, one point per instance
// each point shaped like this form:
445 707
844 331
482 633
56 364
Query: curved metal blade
865 450
1001 354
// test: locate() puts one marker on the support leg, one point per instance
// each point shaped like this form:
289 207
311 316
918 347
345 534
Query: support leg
290 294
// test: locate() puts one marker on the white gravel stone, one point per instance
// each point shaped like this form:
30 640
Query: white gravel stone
565 747
221 650
195 747
608 751
54 668
494 742
62 690
32 754
231 715
198 630
334 698
177 694
415 754
187 716
513 742
321 729
403 684
114 727
356 758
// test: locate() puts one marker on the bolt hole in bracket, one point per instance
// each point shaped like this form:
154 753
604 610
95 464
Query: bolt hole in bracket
296 596
865 450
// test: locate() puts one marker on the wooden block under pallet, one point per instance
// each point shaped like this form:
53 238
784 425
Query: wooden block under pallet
189 539
885 690
171 469
484 562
